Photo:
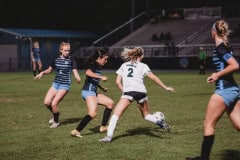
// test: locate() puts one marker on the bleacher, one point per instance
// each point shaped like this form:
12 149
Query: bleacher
179 29
187 35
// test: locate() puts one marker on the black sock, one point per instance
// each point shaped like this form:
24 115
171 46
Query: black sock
207 146
84 122
56 117
50 108
34 73
106 114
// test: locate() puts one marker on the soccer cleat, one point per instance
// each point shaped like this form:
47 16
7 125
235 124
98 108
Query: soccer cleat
194 158
51 121
103 128
75 133
106 139
54 125
162 124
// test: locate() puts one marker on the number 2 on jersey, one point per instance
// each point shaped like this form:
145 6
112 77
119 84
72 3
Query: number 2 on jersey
130 72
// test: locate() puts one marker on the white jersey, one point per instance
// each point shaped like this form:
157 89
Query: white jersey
133 75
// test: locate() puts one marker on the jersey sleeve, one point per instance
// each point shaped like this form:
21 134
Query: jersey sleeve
74 63
227 56
225 51
120 70
146 69
91 66
53 64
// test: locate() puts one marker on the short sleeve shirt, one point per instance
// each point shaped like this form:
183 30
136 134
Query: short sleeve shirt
90 82
63 67
133 76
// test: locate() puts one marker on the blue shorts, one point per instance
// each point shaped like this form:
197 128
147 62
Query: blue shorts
86 93
36 59
230 95
59 86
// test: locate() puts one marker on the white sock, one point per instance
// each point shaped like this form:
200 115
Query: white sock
151 118
112 125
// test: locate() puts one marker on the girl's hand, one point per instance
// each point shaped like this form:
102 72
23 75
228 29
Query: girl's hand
213 78
210 80
39 75
79 81
104 89
170 89
104 78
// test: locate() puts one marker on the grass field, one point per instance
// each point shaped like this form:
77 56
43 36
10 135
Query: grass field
25 133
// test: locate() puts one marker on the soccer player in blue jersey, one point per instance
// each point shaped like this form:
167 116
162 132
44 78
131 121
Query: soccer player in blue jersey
91 96
226 96
63 65
130 81
35 57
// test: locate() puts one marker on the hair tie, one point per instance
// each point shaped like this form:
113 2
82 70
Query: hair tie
214 27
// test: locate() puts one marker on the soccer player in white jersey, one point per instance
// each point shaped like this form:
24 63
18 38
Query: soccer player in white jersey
63 65
129 80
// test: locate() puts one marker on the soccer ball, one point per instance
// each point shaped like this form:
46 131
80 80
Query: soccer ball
159 115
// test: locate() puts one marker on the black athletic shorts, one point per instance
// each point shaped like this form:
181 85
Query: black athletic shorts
140 97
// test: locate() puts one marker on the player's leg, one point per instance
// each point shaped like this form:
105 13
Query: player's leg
34 66
51 93
215 110
108 103
119 109
48 101
39 66
91 101
145 111
235 115
61 93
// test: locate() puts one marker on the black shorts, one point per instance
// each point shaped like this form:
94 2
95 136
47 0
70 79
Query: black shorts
140 97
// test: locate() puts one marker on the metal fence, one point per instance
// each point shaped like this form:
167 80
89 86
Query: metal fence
204 12
190 50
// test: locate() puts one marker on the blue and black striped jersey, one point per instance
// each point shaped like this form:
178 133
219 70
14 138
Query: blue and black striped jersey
63 67
221 55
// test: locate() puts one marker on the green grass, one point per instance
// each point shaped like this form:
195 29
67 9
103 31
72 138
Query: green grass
25 133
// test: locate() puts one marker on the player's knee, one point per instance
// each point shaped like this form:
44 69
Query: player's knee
93 115
47 104
110 105
207 125
209 128
237 127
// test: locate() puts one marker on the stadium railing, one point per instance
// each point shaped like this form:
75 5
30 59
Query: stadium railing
182 50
